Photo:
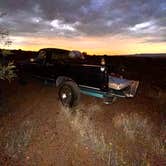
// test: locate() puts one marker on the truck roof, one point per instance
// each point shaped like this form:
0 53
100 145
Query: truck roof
57 50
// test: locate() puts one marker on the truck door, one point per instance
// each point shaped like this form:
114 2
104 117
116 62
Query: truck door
38 66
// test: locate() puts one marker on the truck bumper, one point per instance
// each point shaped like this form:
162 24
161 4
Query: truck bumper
130 91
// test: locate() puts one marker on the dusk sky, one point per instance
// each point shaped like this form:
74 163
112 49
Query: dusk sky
94 26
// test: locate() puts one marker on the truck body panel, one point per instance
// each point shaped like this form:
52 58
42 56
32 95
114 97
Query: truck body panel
92 78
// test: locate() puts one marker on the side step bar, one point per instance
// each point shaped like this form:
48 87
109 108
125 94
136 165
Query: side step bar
101 94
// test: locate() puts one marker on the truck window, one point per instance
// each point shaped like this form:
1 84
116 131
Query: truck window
41 55
76 55
59 56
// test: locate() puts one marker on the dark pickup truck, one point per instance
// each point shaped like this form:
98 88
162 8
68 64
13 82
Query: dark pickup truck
73 73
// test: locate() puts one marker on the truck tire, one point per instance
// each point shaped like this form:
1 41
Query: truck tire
69 94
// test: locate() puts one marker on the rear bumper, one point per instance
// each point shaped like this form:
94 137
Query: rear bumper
129 91
132 89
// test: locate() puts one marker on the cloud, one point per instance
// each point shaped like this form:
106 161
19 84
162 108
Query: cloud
85 18
59 25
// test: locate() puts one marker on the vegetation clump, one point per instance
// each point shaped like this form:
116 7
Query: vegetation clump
6 67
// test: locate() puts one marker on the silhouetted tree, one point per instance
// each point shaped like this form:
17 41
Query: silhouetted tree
6 68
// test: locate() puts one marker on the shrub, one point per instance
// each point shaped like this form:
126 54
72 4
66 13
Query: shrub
7 71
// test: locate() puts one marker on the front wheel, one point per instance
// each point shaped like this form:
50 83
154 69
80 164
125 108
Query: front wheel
69 94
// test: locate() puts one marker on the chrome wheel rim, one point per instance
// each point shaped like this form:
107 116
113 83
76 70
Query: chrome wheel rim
66 95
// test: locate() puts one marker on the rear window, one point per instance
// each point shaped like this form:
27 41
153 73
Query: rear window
59 54
42 55
56 56
76 55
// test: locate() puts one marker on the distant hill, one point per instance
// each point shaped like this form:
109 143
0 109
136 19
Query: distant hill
161 55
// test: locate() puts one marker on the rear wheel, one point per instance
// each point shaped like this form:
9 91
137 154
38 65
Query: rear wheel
69 94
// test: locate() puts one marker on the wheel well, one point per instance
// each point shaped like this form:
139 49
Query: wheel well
62 79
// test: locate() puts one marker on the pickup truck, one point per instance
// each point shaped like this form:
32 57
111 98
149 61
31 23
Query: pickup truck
74 74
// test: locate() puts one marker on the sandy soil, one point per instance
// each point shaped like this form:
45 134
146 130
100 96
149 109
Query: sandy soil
36 130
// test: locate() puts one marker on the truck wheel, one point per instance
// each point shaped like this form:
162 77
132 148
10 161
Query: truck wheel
69 94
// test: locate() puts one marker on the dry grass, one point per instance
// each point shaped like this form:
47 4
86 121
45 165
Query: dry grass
140 131
15 142
87 134
135 139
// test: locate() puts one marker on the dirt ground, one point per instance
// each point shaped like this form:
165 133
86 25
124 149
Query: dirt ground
36 130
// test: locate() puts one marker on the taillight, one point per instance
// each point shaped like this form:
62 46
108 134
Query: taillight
103 61
102 69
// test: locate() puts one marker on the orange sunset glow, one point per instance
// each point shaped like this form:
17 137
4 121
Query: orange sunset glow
97 45
95 26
